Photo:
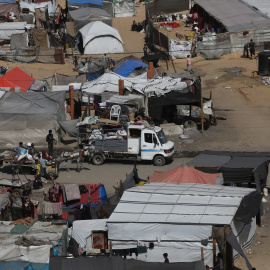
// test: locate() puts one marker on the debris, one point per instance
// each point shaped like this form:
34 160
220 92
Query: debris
227 87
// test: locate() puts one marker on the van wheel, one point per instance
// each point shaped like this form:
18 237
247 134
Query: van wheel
97 159
159 161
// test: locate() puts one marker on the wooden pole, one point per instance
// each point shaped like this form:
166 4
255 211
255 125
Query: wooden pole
173 66
214 250
121 87
210 116
202 114
71 96
150 71
167 64
110 248
12 89
202 254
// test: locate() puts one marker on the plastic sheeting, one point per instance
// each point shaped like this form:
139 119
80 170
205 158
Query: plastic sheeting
186 175
99 38
32 6
69 127
29 116
10 28
18 40
84 2
9 6
127 67
180 49
124 8
234 14
83 16
82 229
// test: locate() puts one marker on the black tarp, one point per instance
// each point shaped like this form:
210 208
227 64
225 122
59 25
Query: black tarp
132 179
117 263
237 167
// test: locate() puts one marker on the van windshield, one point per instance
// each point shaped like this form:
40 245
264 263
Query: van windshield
161 136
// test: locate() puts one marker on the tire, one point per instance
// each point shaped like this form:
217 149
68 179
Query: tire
98 159
159 160
16 192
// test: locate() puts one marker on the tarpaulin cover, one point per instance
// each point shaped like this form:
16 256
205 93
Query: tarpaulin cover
28 116
85 15
9 28
84 2
6 7
234 14
127 67
186 175
4 200
98 195
23 265
17 78
99 38
92 76
69 126
118 263
40 38
235 167
18 40
7 2
171 6
124 59
124 8
61 79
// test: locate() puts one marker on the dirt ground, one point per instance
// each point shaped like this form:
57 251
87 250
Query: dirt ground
242 109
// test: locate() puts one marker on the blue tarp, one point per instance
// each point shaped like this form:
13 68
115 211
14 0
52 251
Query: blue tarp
92 76
14 265
7 2
85 2
126 68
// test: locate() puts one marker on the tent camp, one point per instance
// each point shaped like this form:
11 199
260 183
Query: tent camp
185 174
28 116
182 219
236 167
9 28
17 78
85 15
127 67
99 38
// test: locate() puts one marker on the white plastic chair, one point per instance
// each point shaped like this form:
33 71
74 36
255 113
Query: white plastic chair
115 112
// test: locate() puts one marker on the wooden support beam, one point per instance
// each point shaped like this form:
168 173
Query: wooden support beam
12 89
71 96
202 114
121 87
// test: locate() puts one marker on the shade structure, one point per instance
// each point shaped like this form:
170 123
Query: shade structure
127 67
17 78
98 38
186 175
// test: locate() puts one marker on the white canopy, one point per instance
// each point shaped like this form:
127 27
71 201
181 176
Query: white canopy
99 38
33 6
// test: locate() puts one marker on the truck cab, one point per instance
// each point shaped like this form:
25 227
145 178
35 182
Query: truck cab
150 143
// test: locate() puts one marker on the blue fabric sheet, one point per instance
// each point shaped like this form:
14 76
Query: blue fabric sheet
92 76
126 68
85 2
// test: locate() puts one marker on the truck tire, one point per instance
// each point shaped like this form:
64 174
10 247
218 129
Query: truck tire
98 159
159 160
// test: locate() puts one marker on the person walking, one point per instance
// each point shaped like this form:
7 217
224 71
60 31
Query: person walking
252 46
246 49
50 140
189 65
165 256
145 50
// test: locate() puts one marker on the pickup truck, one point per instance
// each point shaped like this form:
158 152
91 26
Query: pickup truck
141 143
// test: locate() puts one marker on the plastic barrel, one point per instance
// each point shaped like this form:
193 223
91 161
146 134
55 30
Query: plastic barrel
264 63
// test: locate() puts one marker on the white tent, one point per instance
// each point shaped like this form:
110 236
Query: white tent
11 28
98 38
176 218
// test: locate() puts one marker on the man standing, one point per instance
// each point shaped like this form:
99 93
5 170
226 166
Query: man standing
145 50
252 46
246 49
124 120
50 140
189 65
165 256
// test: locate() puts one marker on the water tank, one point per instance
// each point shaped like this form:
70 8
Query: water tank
264 63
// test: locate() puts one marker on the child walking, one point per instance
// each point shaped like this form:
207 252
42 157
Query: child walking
189 65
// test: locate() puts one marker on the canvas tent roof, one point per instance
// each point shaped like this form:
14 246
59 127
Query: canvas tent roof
7 2
17 78
235 167
99 38
262 5
127 67
234 14
185 174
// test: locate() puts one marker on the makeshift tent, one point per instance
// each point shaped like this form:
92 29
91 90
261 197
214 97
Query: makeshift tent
29 116
98 195
185 174
99 38
9 6
124 59
176 218
69 126
171 6
127 67
85 15
261 5
118 263
236 167
234 14
123 8
17 78
52 6
9 28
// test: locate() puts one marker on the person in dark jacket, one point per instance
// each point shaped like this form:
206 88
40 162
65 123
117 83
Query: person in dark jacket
165 256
